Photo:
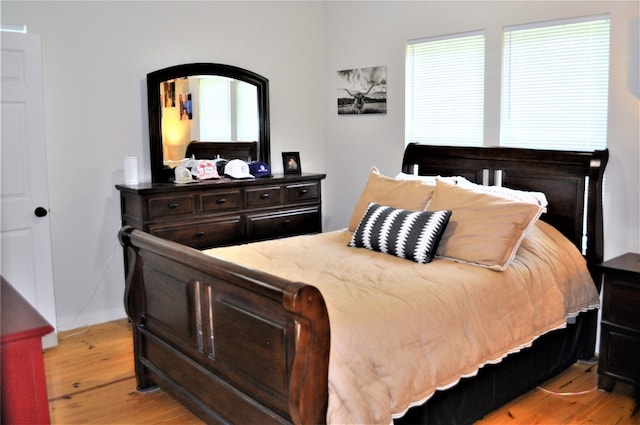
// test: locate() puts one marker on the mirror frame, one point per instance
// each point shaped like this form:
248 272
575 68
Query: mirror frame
160 173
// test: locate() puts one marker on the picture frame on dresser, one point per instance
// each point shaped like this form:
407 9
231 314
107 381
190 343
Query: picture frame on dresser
291 163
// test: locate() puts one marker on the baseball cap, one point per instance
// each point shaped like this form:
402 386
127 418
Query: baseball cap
182 175
259 169
238 169
205 169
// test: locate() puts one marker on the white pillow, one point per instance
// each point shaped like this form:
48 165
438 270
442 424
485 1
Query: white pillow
536 198
431 180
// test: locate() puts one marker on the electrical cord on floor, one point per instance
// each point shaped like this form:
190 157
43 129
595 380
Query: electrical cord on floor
572 393
83 331
569 393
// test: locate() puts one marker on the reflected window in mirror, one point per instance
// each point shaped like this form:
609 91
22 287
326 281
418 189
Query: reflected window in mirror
233 109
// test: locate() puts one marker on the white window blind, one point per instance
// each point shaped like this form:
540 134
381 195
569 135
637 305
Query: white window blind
215 109
229 110
248 121
445 90
555 85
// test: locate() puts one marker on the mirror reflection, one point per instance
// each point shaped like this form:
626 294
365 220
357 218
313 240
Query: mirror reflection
207 109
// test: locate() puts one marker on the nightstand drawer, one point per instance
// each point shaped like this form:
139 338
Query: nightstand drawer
201 234
264 196
284 223
171 206
621 303
622 353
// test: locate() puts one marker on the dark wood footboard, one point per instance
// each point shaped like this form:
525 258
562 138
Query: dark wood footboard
235 345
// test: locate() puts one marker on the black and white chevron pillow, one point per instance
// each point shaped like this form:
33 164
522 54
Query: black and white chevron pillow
405 234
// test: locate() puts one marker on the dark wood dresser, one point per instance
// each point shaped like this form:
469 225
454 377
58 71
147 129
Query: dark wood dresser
225 211
620 335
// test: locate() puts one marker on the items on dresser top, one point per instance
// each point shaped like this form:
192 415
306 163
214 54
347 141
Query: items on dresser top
259 169
186 170
237 169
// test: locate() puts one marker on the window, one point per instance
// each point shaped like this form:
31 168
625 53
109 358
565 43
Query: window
555 82
445 90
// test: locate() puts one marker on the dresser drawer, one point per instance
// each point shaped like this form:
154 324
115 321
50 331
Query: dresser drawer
283 223
303 192
220 201
203 233
264 196
171 206
621 302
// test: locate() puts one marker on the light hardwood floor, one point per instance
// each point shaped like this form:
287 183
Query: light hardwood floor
90 380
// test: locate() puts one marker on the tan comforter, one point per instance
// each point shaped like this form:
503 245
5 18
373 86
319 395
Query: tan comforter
401 330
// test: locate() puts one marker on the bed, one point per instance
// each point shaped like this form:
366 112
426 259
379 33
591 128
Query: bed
259 334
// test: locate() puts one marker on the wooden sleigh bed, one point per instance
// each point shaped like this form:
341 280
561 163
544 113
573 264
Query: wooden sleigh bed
236 344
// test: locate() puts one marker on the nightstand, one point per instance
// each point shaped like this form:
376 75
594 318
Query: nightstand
620 334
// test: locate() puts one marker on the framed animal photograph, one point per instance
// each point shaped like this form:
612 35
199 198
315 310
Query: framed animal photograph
362 91
291 163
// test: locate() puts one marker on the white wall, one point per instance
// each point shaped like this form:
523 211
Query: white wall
97 54
362 34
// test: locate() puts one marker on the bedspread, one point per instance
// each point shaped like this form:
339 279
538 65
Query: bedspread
402 330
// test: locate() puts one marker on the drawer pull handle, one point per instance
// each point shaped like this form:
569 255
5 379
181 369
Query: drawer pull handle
173 206
264 196
221 200
286 222
303 192
199 234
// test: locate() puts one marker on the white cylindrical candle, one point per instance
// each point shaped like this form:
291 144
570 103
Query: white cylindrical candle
131 170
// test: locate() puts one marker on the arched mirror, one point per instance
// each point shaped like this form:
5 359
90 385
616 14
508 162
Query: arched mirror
206 110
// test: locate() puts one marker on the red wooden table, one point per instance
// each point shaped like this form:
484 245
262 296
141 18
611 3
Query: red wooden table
23 383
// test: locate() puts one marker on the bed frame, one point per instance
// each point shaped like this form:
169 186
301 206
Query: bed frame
237 345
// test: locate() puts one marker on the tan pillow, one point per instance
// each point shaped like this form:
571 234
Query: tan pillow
484 229
411 195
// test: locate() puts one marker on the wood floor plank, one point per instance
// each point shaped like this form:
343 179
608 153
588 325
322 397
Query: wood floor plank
90 380
120 403
86 358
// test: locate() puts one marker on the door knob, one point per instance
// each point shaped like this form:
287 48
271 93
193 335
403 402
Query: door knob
40 212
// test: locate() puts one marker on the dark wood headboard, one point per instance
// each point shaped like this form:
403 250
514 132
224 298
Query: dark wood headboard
563 176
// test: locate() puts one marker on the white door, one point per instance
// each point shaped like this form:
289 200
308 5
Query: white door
25 235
